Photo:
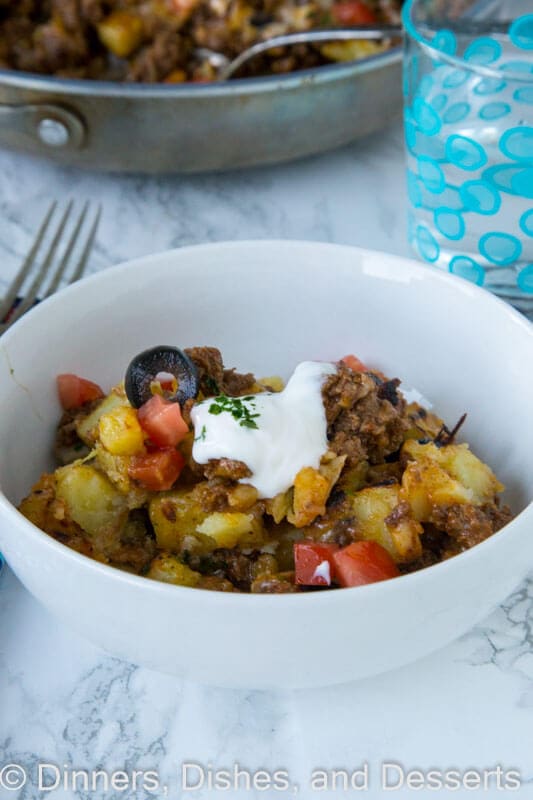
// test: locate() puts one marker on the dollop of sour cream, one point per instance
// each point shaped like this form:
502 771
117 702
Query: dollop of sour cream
282 432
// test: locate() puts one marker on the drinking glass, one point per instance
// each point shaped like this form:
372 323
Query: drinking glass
468 89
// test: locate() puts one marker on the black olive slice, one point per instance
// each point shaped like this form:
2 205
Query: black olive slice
145 368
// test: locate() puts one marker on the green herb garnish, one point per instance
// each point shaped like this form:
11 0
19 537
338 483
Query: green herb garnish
201 435
236 406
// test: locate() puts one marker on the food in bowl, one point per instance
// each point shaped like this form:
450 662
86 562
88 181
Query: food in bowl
162 40
194 474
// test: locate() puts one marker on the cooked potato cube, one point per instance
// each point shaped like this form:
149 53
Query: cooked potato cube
169 569
35 506
406 538
280 505
373 509
120 432
116 469
469 470
87 428
350 51
227 529
425 484
175 517
331 466
121 32
272 384
477 481
311 491
242 497
93 503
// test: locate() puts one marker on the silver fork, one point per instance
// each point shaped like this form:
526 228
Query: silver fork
54 266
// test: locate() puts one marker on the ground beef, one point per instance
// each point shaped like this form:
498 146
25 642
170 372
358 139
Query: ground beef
167 52
455 529
212 495
236 384
208 361
468 525
94 11
366 416
68 12
226 468
337 526
214 379
240 569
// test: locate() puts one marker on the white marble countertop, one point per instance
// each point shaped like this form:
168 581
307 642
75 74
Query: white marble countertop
64 702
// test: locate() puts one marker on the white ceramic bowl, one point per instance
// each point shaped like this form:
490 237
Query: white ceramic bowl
269 305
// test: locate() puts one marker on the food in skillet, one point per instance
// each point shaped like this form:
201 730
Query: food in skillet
159 40
193 474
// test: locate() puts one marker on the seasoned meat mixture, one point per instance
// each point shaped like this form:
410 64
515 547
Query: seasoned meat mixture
162 40
165 476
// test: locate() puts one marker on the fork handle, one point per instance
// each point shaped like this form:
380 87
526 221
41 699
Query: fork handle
54 126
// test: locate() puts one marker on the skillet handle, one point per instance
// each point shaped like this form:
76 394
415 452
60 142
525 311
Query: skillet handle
51 126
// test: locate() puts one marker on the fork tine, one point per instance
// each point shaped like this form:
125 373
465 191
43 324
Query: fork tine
31 294
27 264
60 271
88 247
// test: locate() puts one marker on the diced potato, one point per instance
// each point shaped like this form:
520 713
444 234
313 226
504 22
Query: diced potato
120 432
331 466
92 502
467 468
406 538
351 51
121 33
87 428
354 478
311 491
425 484
238 16
279 506
175 517
372 507
116 469
227 529
273 383
169 569
242 497
478 482
36 505
176 76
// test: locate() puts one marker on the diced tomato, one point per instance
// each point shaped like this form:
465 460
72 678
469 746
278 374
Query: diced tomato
354 363
75 391
363 562
314 563
352 12
157 471
162 421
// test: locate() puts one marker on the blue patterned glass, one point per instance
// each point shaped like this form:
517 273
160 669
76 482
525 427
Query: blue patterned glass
469 141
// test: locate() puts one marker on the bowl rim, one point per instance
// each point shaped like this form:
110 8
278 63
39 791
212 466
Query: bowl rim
417 269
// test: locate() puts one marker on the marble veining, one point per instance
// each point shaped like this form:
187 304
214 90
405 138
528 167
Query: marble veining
63 701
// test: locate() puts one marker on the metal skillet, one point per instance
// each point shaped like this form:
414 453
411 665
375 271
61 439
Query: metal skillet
227 124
